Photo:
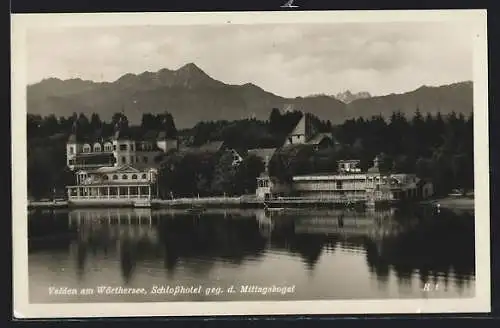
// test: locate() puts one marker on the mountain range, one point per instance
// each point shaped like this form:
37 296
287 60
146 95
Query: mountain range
347 96
191 95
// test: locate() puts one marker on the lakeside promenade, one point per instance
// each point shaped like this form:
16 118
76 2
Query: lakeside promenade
457 203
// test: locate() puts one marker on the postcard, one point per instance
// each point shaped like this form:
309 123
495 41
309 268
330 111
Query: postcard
250 163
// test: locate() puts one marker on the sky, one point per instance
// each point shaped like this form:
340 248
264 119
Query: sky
289 60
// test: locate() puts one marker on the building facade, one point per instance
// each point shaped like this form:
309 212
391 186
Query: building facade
305 132
349 184
122 148
104 183
121 168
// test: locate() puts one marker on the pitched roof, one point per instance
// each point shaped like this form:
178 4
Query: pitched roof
306 126
317 139
263 153
300 127
212 146
128 133
293 149
163 135
114 169
124 168
150 135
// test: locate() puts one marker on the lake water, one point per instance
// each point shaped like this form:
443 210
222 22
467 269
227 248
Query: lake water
248 255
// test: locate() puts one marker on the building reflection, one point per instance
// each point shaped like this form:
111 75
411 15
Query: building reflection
200 241
127 234
406 244
403 245
174 238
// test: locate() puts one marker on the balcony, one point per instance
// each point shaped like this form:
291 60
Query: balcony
91 160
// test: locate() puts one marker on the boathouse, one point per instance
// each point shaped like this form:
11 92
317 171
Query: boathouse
349 183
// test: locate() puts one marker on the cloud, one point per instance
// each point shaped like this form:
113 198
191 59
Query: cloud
289 60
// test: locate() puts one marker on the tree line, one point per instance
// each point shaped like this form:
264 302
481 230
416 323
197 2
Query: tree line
46 145
204 174
43 127
435 147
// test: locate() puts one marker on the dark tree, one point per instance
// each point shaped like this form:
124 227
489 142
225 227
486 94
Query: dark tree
246 174
95 122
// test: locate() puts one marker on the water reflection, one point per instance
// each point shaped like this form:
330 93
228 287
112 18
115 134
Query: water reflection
413 247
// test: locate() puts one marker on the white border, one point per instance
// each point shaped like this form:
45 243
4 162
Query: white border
475 20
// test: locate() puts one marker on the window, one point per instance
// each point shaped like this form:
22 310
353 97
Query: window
145 159
105 177
124 177
339 185
132 147
123 147
131 159
134 176
144 176
86 148
124 160
114 147
115 177
71 162
71 150
137 159
108 147
97 147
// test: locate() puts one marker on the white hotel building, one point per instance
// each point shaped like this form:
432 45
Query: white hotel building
119 169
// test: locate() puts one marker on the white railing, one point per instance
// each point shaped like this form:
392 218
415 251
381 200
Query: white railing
104 197
334 198
90 166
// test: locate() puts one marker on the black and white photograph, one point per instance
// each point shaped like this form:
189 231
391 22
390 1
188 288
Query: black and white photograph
179 164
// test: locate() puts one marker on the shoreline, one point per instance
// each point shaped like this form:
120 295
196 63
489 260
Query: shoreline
447 202
465 203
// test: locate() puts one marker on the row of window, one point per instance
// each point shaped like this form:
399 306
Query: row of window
263 183
111 161
337 185
108 147
93 161
125 177
145 159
